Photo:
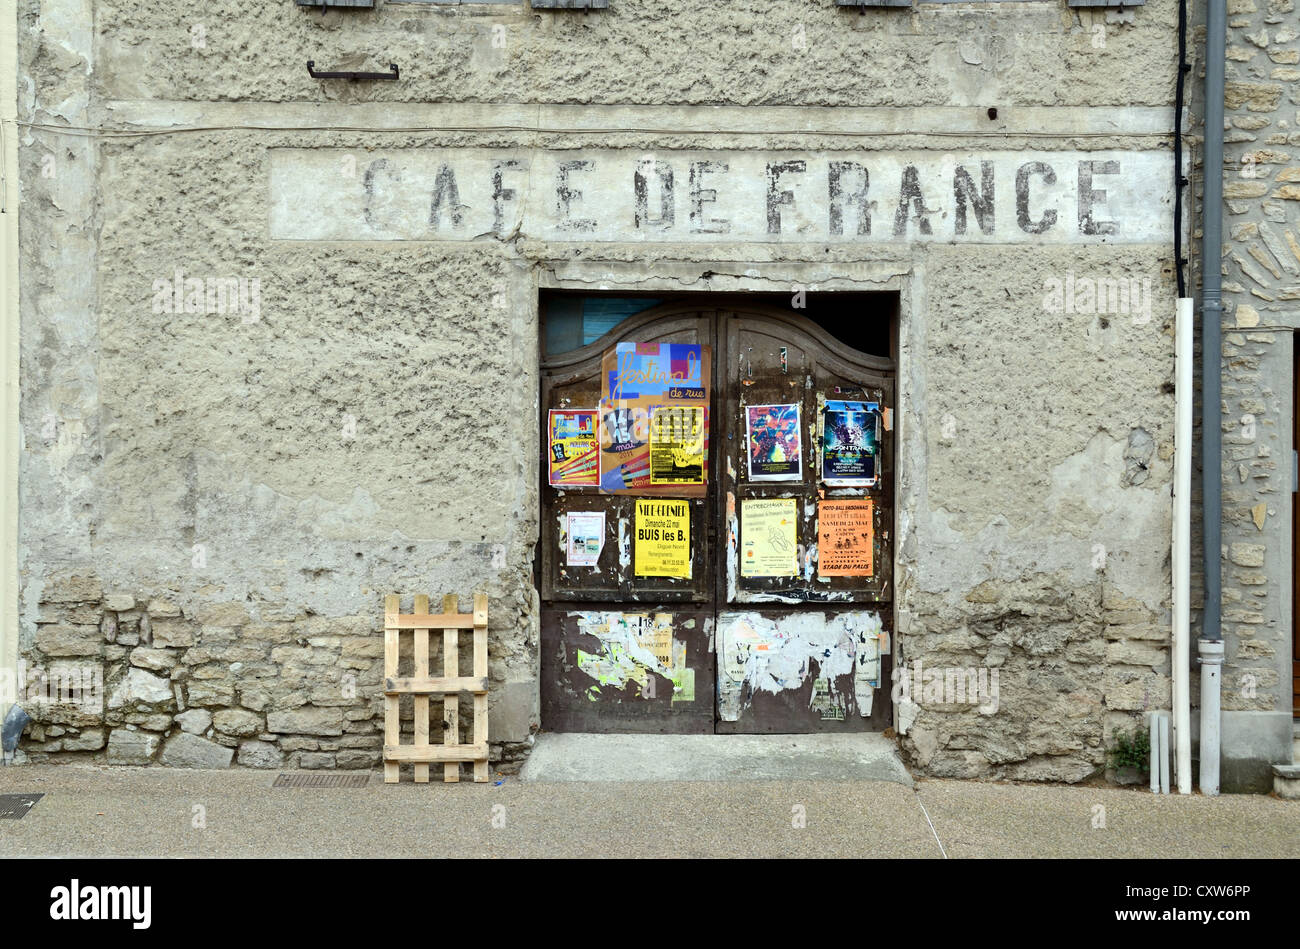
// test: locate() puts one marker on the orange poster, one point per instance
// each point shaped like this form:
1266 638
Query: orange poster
845 538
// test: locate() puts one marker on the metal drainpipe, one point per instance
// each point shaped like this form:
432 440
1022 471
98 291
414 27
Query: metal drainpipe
1210 646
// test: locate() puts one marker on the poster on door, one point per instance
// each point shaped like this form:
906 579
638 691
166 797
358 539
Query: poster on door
624 447
677 444
774 439
571 438
845 537
639 381
663 539
586 538
850 443
768 538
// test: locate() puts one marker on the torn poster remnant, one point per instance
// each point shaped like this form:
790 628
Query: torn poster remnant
757 653
635 647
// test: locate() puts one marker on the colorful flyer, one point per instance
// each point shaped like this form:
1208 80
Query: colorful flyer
574 458
677 444
586 538
636 380
850 443
769 538
663 538
624 447
775 442
661 372
845 537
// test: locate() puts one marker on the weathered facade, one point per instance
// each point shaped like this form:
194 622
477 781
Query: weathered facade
281 340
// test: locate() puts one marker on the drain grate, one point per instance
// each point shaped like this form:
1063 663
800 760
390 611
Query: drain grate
16 806
358 780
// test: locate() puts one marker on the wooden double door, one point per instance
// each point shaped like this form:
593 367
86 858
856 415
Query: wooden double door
720 650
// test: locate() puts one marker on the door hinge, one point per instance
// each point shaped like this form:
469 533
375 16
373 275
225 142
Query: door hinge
1295 471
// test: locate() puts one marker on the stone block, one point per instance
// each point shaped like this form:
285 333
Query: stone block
67 640
155 660
356 759
190 751
514 711
221 614
196 721
131 747
72 589
234 721
308 720
171 632
210 693
259 754
141 686
91 739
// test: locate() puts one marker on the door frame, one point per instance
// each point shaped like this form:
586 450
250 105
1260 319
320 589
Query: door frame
724 306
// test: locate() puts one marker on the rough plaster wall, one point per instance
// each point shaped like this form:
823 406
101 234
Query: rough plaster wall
744 52
201 430
1034 545
1261 274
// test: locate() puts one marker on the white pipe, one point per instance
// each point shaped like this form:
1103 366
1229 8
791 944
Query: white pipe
1164 752
1182 547
1211 651
1153 741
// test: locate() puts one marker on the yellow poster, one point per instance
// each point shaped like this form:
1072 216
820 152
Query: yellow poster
663 538
677 444
768 538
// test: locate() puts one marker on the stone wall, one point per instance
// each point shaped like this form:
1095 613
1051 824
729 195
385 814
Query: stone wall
209 688
1261 274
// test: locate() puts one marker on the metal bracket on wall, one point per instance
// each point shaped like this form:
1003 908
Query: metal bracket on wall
324 4
586 6
311 71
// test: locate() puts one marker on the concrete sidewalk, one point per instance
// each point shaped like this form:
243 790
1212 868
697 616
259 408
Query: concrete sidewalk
161 812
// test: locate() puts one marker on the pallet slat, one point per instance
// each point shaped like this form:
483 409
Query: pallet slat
428 621
444 753
392 708
429 686
421 670
450 703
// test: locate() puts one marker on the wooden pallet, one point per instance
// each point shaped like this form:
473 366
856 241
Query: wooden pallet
448 687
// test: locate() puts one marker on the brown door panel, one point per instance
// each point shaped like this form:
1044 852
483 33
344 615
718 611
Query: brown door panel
785 687
599 675
773 361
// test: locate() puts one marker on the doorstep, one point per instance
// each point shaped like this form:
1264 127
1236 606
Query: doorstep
1286 781
863 756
